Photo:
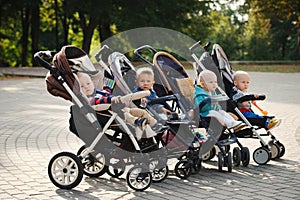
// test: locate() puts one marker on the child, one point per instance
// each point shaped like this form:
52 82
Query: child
205 88
133 116
145 81
241 84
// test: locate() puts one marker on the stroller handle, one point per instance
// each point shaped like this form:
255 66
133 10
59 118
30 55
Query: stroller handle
251 97
161 100
198 44
41 56
101 52
134 96
142 48
192 48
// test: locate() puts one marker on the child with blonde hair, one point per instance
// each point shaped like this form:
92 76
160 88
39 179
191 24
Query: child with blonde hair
145 81
204 90
134 116
241 84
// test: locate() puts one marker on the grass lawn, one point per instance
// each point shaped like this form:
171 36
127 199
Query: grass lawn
284 68
268 68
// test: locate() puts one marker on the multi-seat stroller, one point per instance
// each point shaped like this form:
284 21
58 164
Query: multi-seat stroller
172 78
105 134
179 141
218 62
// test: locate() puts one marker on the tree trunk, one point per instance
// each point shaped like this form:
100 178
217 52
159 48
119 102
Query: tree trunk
88 31
65 24
104 30
298 46
57 47
35 27
25 33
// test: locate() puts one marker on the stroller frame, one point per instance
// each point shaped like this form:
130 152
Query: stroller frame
125 67
169 81
262 155
138 178
225 157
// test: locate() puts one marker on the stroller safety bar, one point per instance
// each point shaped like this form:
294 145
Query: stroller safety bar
219 98
163 99
134 96
251 97
124 99
198 44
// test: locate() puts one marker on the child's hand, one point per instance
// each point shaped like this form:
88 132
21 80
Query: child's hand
144 100
166 111
115 99
255 96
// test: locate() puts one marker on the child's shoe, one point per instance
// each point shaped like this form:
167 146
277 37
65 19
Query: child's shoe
159 128
273 123
141 122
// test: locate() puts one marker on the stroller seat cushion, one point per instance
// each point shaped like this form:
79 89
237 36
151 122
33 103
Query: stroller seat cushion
186 87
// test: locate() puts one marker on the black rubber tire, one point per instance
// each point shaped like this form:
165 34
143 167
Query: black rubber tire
72 170
236 156
220 162
116 170
245 156
262 155
183 169
159 170
139 178
229 162
92 166
282 149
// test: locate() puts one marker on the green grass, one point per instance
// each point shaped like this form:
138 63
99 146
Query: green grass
268 68
283 68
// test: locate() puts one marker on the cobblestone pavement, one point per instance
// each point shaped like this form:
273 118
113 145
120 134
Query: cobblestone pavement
34 127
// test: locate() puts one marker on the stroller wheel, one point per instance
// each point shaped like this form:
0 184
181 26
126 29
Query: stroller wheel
139 178
261 155
275 150
220 162
197 165
282 149
237 156
226 148
116 167
158 173
65 170
245 156
209 155
229 161
183 169
93 166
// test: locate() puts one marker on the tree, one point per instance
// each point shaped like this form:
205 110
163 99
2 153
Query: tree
35 27
284 19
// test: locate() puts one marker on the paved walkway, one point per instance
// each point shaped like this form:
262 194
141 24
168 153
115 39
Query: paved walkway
34 127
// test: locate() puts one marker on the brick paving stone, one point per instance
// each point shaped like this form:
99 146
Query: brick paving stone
32 132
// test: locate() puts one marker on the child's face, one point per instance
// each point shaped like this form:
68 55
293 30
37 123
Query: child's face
86 84
209 83
242 82
145 81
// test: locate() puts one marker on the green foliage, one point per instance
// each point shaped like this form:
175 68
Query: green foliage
256 30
